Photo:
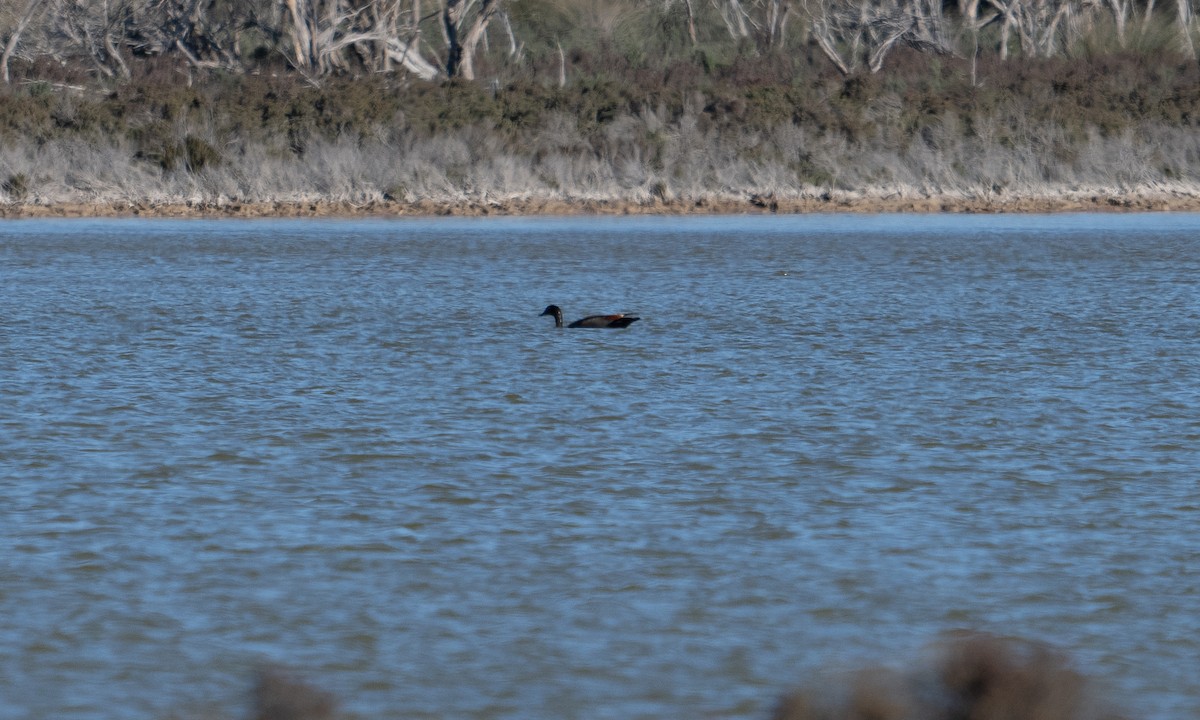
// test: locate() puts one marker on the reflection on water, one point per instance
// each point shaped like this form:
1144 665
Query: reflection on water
354 448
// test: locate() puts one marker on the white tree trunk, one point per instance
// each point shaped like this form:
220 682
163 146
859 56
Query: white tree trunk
1120 11
32 7
853 35
302 41
460 50
1185 27
408 55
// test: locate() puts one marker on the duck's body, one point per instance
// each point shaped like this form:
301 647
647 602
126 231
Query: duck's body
620 320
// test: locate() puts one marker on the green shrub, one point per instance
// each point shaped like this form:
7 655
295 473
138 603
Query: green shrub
40 89
16 186
199 154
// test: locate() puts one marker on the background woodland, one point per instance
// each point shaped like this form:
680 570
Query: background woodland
358 101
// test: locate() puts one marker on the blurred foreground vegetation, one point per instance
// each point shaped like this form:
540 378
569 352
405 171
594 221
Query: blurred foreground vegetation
962 676
599 99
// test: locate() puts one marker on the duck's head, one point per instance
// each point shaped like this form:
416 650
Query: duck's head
554 311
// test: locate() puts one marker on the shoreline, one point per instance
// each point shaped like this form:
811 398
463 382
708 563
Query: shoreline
726 205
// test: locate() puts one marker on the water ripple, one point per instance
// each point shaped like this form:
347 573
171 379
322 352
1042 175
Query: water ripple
352 448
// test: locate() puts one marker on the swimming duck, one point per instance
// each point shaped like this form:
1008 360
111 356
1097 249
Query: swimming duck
620 320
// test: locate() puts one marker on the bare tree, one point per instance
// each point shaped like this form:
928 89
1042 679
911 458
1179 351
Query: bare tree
851 35
690 11
312 28
383 32
206 33
1184 17
691 20
399 27
1044 27
32 9
1121 10
777 17
762 20
460 51
514 47
322 37
736 19
96 29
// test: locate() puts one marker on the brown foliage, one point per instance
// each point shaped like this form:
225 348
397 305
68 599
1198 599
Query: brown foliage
972 676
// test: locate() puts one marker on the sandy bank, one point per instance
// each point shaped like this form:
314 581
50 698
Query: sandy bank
753 204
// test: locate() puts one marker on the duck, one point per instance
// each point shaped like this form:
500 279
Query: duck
620 320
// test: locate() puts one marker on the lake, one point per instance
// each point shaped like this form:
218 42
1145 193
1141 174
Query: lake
354 450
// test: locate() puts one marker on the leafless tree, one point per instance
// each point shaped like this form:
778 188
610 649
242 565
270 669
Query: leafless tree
1043 28
690 11
1185 18
206 33
864 32
777 17
764 21
383 31
321 37
464 29
1121 11
322 30
24 15
736 19
96 29
1035 22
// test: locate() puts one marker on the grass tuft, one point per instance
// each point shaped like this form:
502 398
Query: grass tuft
968 675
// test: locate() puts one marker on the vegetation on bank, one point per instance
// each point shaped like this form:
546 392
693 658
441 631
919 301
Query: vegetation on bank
632 108
962 675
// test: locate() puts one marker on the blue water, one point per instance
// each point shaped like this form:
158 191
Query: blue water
354 450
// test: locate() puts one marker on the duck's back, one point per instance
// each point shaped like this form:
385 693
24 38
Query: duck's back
605 321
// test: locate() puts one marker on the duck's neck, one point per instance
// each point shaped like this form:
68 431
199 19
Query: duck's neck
558 318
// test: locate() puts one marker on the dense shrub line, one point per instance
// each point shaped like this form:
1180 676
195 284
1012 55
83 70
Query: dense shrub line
961 675
758 123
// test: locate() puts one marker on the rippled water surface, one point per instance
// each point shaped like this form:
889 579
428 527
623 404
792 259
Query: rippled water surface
354 449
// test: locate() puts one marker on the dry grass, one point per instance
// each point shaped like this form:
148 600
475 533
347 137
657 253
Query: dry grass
751 125
638 158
